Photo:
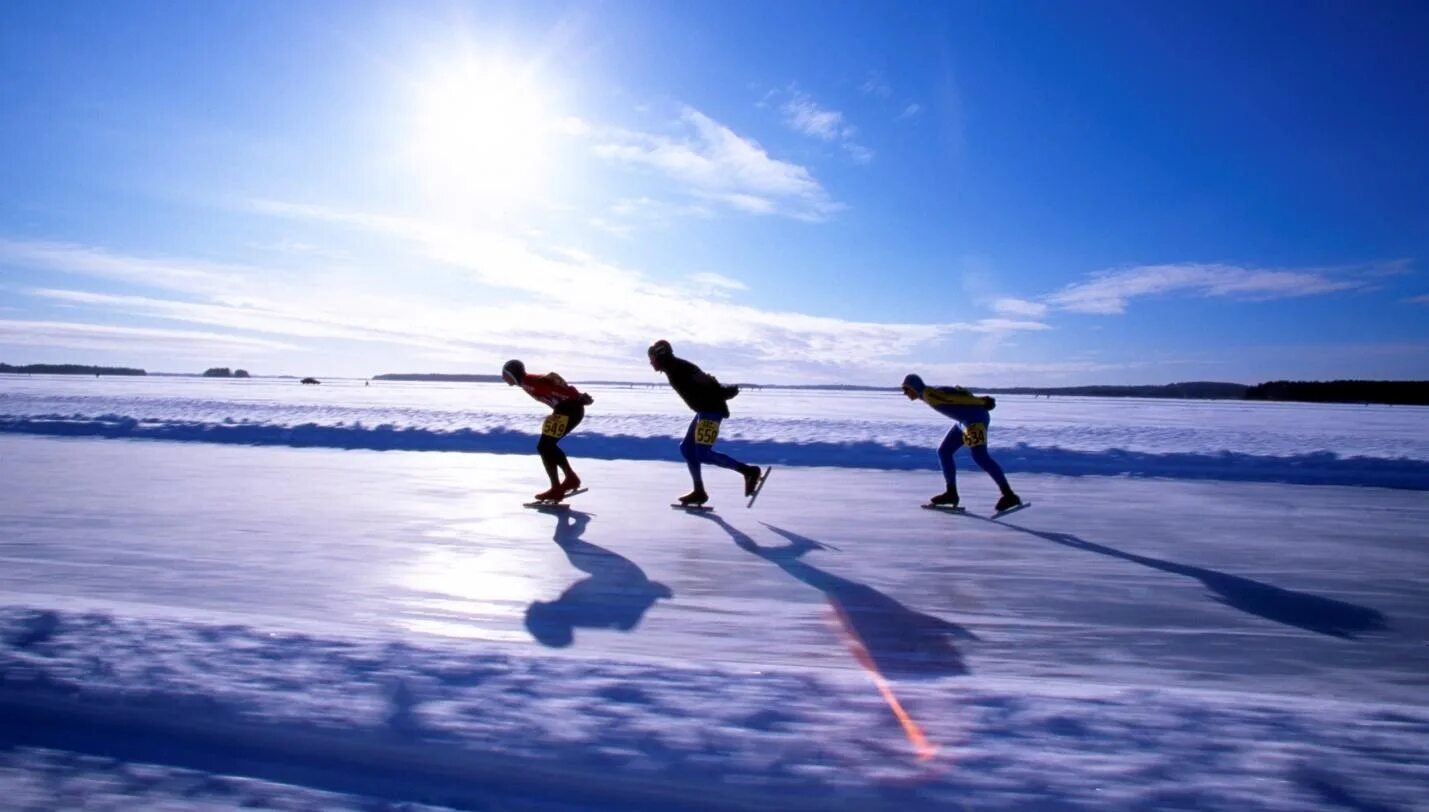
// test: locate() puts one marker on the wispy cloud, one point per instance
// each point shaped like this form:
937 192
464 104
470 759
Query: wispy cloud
1019 307
717 285
165 273
1419 299
299 321
607 310
806 116
909 111
714 163
1109 292
875 84
78 335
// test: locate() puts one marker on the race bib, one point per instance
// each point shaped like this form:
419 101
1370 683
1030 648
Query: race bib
706 432
555 426
975 434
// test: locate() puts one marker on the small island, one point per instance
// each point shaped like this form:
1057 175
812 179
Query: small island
225 372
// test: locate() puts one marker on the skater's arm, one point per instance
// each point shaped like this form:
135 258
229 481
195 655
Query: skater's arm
558 386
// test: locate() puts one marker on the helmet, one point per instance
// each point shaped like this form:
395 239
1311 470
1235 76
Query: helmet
514 372
912 385
659 352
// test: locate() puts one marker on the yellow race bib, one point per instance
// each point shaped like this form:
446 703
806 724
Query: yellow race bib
555 426
975 434
706 432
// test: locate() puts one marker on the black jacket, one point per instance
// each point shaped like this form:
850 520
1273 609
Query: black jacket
697 388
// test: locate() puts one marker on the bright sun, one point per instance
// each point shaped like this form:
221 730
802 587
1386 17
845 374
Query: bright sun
481 137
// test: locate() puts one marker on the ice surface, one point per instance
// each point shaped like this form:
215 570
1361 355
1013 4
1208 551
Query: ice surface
196 625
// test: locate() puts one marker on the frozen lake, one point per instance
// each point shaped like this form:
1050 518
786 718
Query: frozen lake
211 623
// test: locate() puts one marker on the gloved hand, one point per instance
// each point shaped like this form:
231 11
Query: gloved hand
586 399
989 401
729 392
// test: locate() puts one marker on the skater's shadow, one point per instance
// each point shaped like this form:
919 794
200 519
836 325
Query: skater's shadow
615 596
1300 609
887 636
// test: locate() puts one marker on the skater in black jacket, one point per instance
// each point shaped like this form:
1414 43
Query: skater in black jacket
710 401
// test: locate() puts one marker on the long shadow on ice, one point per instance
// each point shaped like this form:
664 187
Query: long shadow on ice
897 641
615 596
1300 609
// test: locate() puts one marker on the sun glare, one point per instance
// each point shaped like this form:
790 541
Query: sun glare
481 139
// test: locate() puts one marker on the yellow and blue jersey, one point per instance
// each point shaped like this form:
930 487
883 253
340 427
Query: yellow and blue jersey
957 403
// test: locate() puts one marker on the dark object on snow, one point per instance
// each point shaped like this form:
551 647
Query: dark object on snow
311 380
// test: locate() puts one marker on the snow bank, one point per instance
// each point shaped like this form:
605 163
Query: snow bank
1315 468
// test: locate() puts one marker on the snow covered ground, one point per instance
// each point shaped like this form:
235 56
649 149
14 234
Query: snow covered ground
231 621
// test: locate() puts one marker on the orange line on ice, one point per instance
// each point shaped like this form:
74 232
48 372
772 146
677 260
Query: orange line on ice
921 745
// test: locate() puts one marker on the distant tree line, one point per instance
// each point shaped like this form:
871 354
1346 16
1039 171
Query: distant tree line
224 372
68 369
1408 393
1194 390
436 376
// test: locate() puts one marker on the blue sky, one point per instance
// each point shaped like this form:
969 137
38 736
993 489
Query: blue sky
987 193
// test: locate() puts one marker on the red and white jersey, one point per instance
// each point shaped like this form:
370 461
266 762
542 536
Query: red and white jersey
550 388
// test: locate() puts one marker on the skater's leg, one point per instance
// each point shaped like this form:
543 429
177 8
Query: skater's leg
565 417
984 459
551 457
951 443
704 433
690 451
575 413
977 445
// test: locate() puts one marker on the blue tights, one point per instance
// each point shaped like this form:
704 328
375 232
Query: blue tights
696 453
950 446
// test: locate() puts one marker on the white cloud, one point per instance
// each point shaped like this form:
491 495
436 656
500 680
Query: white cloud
299 321
806 116
1109 292
714 284
714 163
1009 306
909 112
77 335
1419 299
859 153
605 310
170 274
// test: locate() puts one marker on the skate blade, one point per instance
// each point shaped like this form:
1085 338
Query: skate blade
943 508
545 505
553 502
760 486
1010 510
692 508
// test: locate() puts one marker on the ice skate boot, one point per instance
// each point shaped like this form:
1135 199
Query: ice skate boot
1008 501
751 478
695 498
947 499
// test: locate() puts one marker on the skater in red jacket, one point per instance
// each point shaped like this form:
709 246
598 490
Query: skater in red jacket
567 410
